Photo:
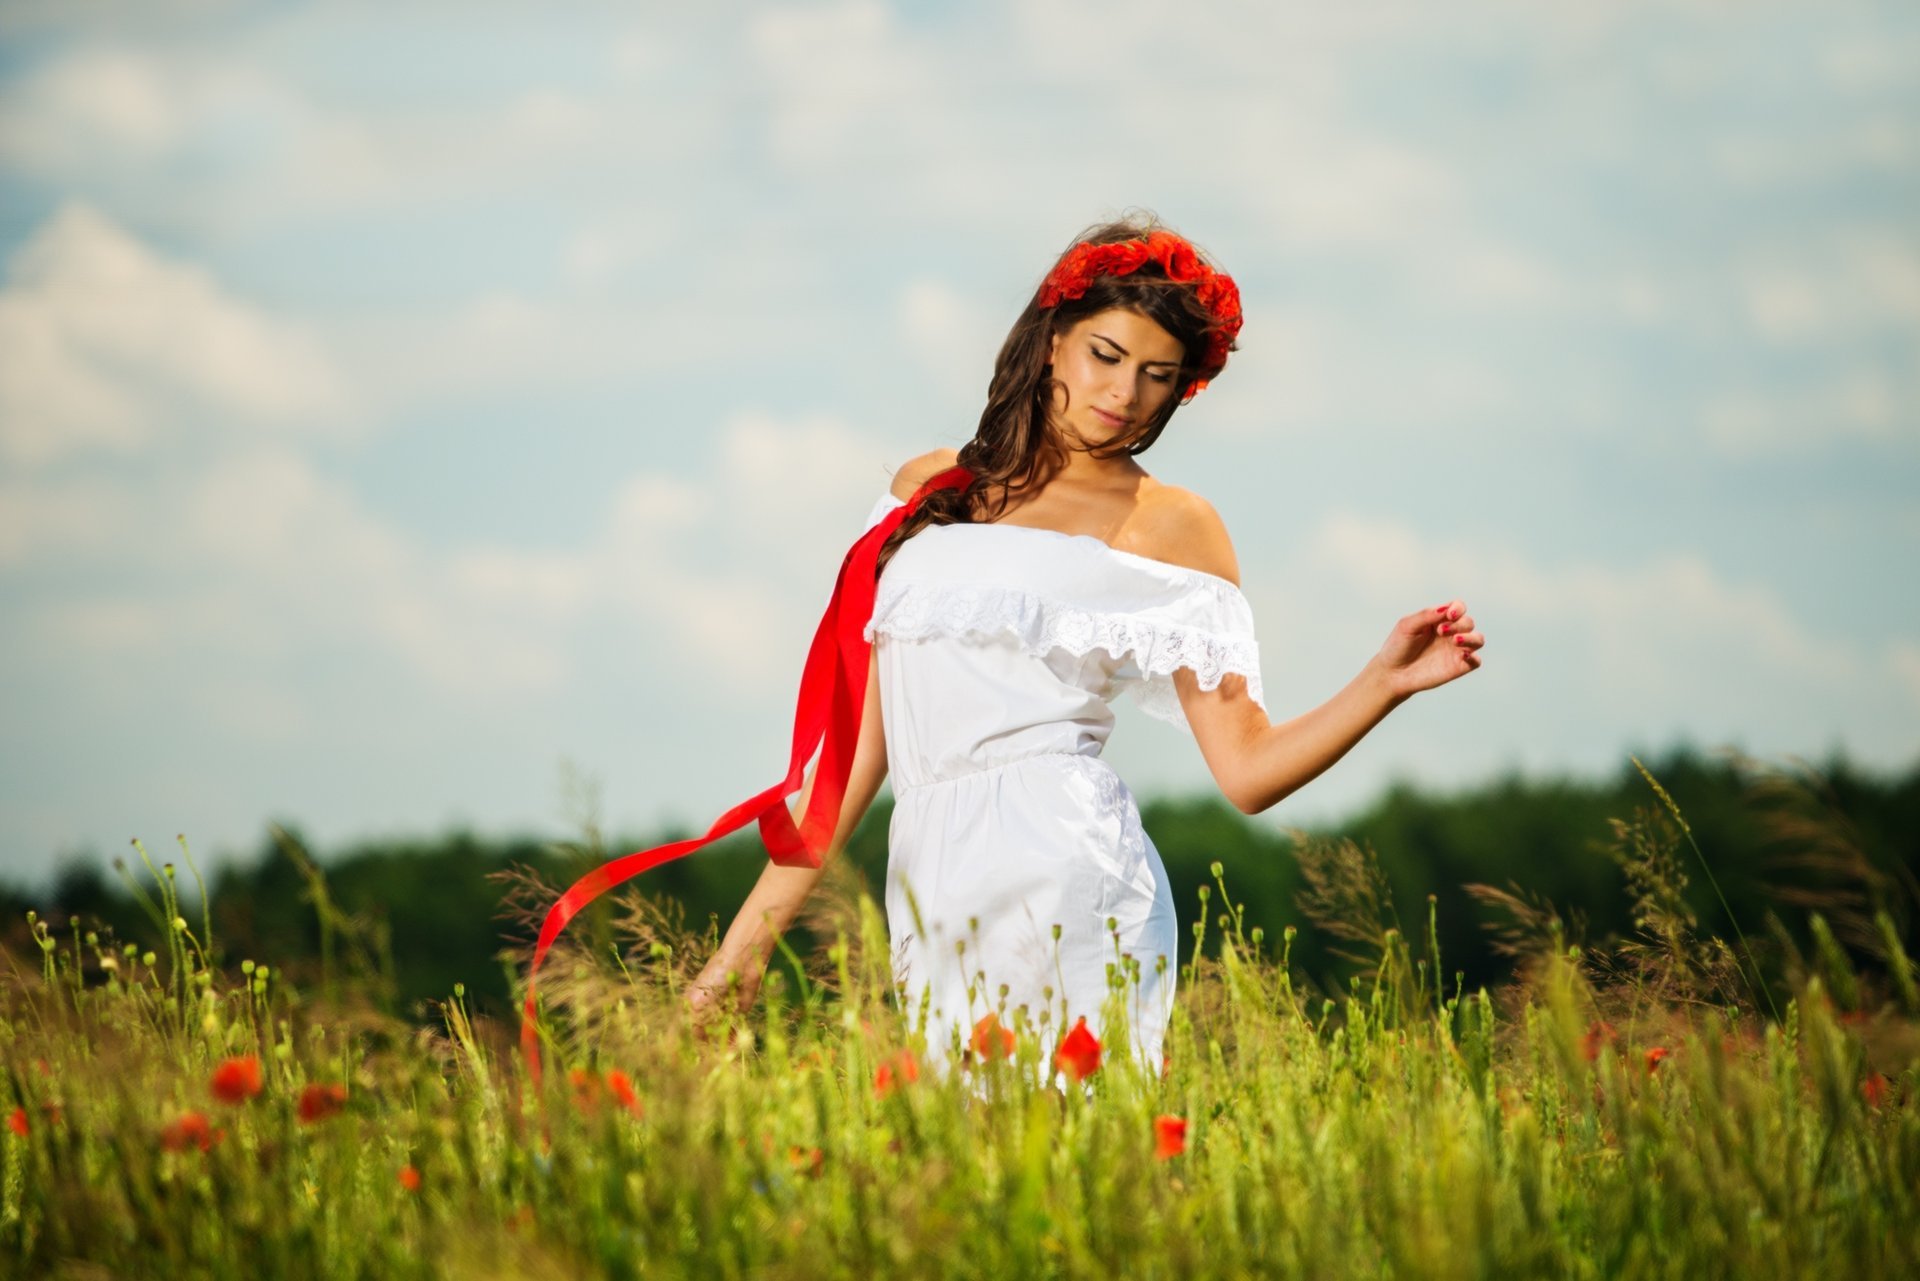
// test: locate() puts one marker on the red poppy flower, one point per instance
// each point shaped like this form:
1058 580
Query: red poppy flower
1654 1056
1166 1064
1873 1088
318 1102
1170 1136
17 1122
1079 1052
901 1067
621 1087
190 1129
991 1040
409 1178
807 1161
237 1079
1599 1033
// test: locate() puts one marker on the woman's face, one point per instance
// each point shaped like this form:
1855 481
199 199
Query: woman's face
1118 367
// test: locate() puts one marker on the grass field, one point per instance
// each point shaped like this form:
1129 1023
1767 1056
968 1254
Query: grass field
1653 1111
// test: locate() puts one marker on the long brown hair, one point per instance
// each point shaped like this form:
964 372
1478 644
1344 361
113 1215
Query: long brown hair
1016 448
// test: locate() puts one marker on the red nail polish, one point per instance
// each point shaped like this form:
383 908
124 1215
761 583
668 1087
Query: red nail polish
1443 629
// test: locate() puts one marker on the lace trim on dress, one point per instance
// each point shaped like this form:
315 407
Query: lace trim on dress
919 610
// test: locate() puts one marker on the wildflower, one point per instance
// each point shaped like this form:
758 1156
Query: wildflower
237 1079
190 1129
409 1178
586 1089
807 1161
992 1040
621 1087
1166 1064
902 1066
1600 1033
1079 1052
17 1122
1873 1088
1170 1136
318 1102
1654 1056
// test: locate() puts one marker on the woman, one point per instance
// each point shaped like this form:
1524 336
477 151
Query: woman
1031 577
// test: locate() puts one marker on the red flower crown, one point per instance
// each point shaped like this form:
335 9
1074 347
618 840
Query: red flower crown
1077 269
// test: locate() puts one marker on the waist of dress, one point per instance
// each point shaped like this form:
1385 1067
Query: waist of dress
901 789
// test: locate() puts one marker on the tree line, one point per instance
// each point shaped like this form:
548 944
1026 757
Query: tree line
1755 851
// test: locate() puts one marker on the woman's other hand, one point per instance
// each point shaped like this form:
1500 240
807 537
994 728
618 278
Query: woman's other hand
707 995
1430 648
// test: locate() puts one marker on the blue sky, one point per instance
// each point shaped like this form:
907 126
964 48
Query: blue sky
397 404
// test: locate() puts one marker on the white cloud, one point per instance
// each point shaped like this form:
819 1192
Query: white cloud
99 103
1903 659
836 70
951 334
105 343
1847 285
1629 651
1865 404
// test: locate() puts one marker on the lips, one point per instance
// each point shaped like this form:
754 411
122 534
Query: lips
1110 419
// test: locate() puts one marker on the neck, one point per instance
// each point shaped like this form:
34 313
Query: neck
1121 471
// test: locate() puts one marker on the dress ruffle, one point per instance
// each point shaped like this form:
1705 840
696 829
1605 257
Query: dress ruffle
916 610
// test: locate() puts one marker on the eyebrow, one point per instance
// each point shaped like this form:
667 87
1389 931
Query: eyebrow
1124 352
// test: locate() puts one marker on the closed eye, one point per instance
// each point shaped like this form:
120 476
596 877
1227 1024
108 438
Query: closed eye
1105 359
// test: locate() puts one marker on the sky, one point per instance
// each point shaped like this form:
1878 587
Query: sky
431 415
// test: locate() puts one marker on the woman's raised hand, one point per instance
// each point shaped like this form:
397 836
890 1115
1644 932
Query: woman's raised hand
1430 648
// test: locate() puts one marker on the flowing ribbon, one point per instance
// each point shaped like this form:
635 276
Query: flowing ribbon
833 694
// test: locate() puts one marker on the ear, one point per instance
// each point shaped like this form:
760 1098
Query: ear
1053 344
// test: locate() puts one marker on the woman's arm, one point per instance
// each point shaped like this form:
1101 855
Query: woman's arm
782 891
1257 763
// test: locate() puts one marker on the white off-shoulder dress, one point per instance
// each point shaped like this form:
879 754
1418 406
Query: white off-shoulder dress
999 649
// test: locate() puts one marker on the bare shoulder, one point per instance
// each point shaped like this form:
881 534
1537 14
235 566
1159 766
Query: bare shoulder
1182 528
916 472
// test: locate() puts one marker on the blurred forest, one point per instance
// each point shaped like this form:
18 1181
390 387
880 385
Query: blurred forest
407 920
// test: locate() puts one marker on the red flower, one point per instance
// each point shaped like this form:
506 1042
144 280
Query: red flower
991 1040
1166 1065
1170 1136
1873 1088
621 1087
409 1178
237 1079
902 1066
318 1102
807 1161
17 1122
1079 1052
1654 1056
1077 269
1599 1033
189 1130
586 1089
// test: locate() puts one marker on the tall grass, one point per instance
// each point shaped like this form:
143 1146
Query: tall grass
1639 1111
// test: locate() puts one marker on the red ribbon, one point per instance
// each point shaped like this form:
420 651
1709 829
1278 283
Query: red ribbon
833 694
